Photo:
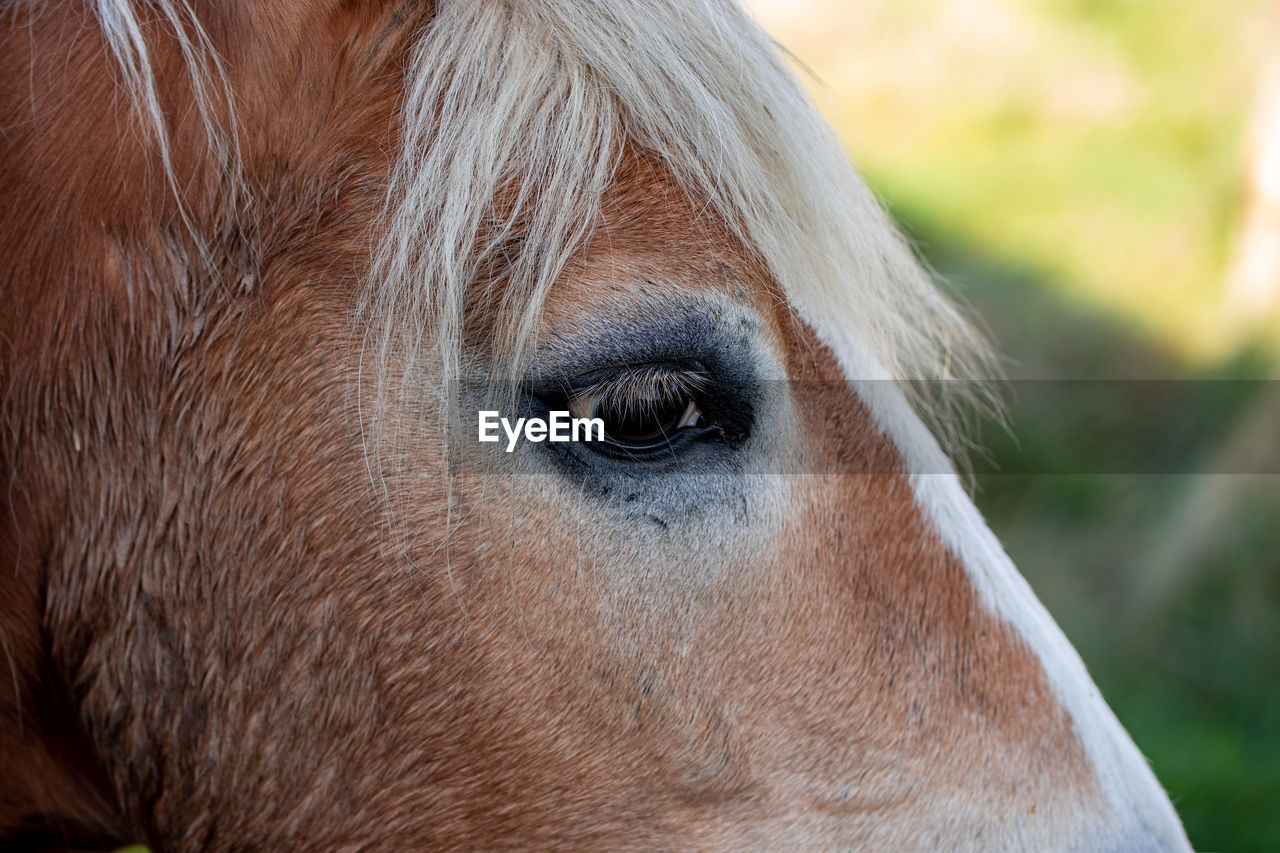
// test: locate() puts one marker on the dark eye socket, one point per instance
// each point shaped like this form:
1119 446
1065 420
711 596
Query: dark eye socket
644 410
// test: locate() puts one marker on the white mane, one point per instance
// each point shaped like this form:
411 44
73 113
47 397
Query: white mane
534 99
541 94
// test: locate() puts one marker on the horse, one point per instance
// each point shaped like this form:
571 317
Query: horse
264 589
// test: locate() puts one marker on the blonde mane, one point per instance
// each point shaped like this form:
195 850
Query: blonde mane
532 101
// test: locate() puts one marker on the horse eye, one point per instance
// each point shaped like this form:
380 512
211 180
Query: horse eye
644 423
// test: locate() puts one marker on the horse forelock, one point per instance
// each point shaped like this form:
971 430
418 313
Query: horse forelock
540 97
514 117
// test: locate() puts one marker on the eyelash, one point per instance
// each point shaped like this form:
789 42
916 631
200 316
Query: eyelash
637 388
644 408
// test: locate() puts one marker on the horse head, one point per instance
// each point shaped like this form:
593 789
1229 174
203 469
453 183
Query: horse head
264 264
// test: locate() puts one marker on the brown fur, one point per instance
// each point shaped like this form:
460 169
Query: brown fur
214 642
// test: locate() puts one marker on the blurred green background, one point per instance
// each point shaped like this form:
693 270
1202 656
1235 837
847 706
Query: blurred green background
1091 177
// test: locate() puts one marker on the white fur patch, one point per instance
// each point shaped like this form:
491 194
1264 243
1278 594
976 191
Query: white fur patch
1141 807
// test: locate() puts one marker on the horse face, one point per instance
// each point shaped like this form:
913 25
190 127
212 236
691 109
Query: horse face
763 638
783 629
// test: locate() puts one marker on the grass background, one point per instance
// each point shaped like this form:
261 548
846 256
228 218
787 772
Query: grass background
1076 168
